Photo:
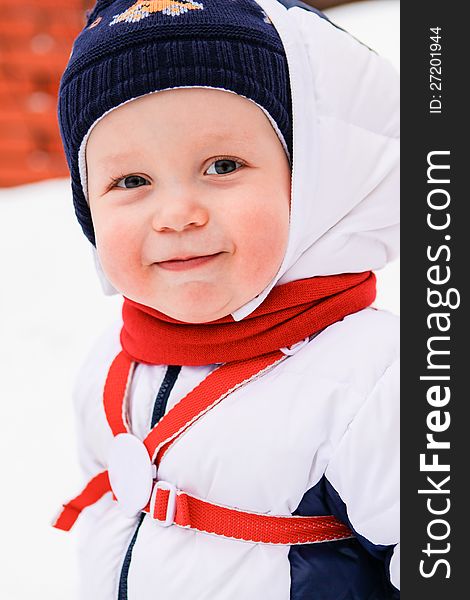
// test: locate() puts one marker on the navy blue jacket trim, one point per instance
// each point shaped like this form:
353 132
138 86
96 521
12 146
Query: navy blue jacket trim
164 392
353 569
127 561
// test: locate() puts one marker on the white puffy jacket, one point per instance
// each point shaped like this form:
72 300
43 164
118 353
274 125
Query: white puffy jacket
318 434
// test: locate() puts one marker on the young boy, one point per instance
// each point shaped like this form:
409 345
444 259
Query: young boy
234 165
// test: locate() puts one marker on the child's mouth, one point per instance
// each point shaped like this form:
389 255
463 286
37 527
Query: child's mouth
186 263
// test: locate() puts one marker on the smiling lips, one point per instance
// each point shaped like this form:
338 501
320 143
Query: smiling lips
181 264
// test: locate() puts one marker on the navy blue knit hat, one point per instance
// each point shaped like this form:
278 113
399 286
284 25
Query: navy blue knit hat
128 49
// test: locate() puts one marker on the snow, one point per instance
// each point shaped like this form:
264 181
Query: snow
51 310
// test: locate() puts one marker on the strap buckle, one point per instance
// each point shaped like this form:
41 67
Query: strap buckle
163 503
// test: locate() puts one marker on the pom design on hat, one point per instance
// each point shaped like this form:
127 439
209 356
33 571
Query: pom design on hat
139 10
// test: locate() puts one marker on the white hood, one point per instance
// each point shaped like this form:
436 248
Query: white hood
345 172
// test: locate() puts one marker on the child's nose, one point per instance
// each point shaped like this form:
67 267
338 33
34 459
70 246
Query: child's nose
178 212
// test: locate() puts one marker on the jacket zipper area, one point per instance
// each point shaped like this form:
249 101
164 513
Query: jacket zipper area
159 407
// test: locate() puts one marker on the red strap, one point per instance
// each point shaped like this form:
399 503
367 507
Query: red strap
216 386
189 511
212 390
197 514
94 490
207 394
115 393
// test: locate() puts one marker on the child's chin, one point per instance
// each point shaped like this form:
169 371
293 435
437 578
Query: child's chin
196 314
197 304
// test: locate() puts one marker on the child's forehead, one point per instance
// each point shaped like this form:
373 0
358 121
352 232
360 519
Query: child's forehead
148 122
212 111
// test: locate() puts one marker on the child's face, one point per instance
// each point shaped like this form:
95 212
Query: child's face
200 173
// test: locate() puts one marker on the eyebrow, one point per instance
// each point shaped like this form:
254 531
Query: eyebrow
228 135
206 138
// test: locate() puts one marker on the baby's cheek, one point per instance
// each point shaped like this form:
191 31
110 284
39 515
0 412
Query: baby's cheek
118 249
263 244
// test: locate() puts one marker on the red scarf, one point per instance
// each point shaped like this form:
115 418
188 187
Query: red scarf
290 313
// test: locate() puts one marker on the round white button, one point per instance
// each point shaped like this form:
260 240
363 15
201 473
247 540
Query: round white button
130 473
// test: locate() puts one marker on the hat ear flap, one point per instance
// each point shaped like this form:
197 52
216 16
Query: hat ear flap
106 285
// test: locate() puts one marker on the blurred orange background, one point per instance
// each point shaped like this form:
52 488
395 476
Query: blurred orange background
35 42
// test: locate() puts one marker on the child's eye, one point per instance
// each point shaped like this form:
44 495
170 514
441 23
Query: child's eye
132 181
223 165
